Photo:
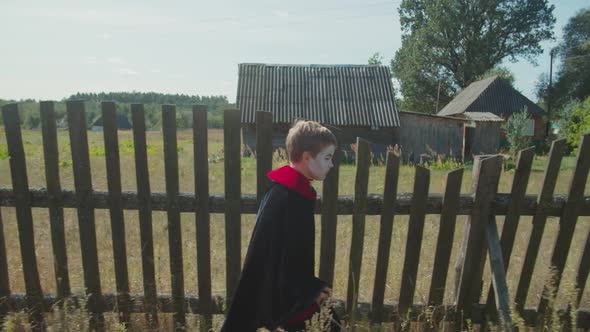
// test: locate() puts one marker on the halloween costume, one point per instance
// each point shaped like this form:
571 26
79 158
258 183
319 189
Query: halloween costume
277 286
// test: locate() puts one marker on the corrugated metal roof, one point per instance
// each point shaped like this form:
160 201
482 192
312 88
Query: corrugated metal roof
340 95
493 95
483 116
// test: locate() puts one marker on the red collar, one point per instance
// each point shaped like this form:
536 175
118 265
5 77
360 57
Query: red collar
292 179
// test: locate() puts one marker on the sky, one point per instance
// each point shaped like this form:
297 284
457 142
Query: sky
50 50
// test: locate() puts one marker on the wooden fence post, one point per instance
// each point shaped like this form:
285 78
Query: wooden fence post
233 238
486 178
519 185
264 151
24 216
329 216
77 126
567 223
145 215
543 200
414 240
203 227
56 214
446 232
4 281
174 229
361 184
113 167
385 230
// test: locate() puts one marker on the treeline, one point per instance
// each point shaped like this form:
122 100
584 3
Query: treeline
30 117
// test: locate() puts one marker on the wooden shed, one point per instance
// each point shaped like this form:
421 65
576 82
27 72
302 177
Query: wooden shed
122 123
424 134
357 99
496 96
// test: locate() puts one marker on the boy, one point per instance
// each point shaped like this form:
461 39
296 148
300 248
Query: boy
277 287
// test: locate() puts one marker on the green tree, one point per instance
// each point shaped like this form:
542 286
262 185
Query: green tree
500 71
515 129
574 121
448 44
572 79
376 59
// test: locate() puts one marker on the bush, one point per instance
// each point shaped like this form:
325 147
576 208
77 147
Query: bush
515 128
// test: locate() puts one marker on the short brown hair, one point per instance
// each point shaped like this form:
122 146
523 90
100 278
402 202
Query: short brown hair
308 136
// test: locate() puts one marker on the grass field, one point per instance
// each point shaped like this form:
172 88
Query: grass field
35 169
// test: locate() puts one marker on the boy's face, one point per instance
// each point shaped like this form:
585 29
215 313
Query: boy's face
320 165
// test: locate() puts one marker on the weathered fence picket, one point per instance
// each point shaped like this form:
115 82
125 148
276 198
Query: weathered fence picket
329 218
264 153
483 206
524 164
414 240
567 223
446 232
56 214
202 214
174 229
392 163
145 214
538 222
361 185
24 215
113 167
85 210
4 281
233 182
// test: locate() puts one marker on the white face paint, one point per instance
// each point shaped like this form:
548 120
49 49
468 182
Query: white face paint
321 164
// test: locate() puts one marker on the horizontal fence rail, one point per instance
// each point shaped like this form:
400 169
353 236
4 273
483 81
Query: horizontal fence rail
40 198
483 207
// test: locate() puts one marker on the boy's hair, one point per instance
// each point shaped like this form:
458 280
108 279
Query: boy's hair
307 136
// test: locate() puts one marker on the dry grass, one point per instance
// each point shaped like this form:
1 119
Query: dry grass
34 155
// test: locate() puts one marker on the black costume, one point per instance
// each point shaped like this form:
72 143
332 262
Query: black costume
277 286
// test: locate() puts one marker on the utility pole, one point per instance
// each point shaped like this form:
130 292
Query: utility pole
549 93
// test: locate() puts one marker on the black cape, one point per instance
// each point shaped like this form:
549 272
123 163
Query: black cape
277 282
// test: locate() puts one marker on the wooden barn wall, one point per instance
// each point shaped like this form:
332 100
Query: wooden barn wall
380 138
486 138
418 132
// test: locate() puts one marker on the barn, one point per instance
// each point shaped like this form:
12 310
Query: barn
122 123
496 96
356 99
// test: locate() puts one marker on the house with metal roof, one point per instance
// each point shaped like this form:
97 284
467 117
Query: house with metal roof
357 99
494 96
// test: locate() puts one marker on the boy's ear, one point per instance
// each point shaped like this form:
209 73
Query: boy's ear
306 156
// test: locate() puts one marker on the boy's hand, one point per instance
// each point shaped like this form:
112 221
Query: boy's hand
323 295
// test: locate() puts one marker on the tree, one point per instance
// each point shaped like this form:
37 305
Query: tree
448 44
515 128
574 121
376 59
501 72
572 79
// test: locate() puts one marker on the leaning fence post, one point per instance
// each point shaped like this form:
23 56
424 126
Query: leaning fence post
486 178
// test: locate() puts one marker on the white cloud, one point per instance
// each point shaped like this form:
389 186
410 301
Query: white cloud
128 71
91 60
115 60
282 13
103 36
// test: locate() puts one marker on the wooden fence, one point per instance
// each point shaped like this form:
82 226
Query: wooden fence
481 238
